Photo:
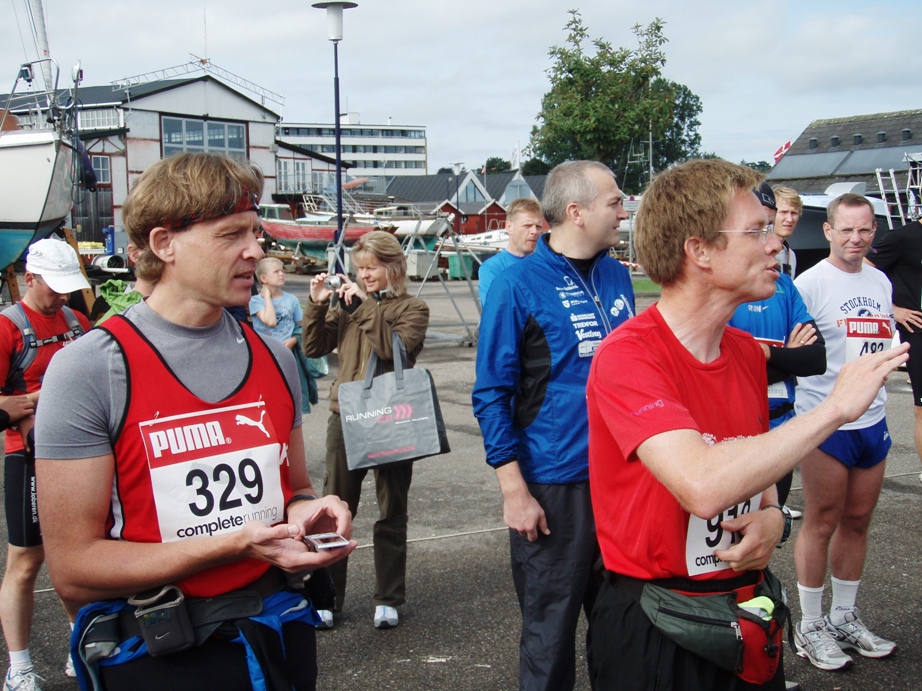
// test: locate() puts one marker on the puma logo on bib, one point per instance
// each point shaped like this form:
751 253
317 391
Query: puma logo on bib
866 335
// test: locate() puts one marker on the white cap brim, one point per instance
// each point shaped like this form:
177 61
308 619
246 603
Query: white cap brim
66 283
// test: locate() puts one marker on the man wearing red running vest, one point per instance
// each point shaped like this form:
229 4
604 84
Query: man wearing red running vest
177 478
31 332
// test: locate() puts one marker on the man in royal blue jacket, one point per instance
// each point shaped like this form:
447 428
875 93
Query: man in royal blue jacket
544 319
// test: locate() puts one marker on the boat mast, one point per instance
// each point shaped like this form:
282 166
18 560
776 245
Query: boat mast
41 39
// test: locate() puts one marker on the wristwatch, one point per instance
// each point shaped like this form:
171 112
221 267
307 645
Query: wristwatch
786 512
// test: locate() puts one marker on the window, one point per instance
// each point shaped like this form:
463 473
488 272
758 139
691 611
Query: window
282 183
323 180
471 194
98 119
102 170
302 176
188 134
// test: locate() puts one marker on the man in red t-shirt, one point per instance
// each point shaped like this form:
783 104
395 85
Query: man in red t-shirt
680 460
52 273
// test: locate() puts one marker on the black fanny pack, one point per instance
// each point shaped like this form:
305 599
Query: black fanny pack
169 622
736 624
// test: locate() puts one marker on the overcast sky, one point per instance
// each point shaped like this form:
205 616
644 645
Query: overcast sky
473 72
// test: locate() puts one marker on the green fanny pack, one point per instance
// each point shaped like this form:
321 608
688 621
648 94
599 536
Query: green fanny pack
739 629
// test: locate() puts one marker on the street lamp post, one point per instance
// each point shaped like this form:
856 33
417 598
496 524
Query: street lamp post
335 34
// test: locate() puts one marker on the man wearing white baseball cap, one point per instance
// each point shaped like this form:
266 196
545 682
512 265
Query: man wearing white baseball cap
31 331
57 264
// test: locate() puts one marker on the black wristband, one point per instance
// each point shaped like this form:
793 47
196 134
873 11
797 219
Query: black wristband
787 520
299 497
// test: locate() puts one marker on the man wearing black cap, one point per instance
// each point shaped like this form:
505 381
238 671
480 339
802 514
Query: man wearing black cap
791 343
31 331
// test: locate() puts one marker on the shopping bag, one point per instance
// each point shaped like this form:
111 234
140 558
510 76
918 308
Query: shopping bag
391 417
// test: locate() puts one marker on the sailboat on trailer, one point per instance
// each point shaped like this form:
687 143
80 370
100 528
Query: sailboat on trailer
37 149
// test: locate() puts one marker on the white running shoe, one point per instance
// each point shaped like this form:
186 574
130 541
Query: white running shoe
795 514
326 619
69 667
22 681
819 647
854 635
385 617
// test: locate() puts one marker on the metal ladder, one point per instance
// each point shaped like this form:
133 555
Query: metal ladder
914 186
449 241
890 192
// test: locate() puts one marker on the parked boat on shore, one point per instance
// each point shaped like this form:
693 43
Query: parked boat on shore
36 159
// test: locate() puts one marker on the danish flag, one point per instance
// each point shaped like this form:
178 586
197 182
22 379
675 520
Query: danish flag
782 150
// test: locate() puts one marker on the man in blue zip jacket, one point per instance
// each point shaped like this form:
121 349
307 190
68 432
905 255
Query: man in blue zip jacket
545 317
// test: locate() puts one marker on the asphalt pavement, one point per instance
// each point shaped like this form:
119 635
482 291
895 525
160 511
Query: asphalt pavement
459 629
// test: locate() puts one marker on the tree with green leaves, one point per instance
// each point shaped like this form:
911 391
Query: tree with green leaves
604 103
674 140
535 166
495 164
760 166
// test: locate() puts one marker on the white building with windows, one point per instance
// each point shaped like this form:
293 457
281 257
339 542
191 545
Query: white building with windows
372 151
125 130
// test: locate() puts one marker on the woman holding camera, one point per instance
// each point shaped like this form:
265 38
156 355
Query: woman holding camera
357 318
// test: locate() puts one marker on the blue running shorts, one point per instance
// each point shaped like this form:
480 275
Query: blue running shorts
859 448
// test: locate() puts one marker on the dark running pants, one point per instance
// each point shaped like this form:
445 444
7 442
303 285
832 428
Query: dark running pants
219 664
555 577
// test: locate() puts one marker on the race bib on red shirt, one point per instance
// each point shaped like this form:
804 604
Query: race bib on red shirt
213 471
706 537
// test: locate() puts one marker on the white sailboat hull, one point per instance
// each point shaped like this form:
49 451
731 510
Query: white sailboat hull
35 191
35 188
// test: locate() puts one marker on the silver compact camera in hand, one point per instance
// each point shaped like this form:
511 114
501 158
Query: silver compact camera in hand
334 283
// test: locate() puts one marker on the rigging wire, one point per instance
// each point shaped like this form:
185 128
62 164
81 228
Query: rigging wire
22 40
31 17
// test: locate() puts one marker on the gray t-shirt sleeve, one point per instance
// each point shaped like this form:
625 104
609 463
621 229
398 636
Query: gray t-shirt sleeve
75 416
85 388
289 367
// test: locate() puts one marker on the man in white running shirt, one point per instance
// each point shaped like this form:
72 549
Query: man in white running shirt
851 304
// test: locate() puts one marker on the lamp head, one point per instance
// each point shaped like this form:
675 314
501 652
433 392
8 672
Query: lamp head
335 17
